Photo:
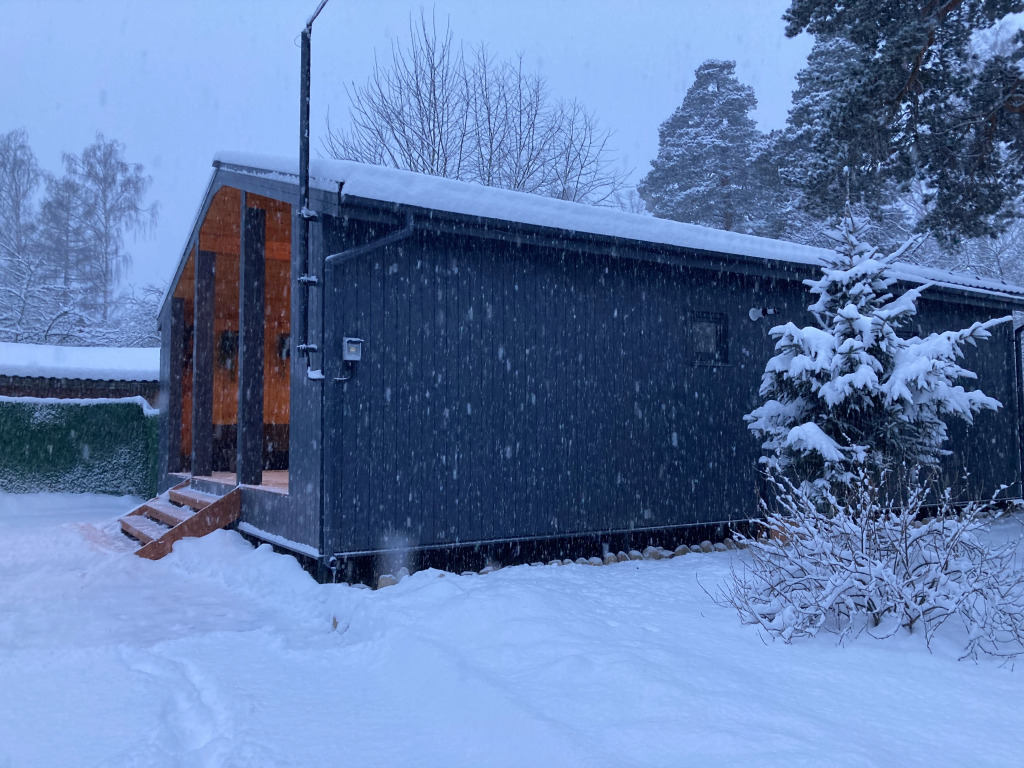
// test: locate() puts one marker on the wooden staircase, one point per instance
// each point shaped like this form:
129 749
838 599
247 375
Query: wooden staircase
160 522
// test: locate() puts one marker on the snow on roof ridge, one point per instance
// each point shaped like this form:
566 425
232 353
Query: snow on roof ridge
469 198
90 363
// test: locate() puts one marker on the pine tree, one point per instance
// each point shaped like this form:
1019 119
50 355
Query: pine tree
819 170
849 394
62 235
704 170
898 91
813 161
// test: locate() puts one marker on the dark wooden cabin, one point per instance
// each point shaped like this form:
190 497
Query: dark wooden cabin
462 373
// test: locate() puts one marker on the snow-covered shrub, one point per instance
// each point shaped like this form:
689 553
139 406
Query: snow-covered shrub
867 565
849 392
849 405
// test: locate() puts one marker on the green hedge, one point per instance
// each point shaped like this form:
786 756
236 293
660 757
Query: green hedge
78 446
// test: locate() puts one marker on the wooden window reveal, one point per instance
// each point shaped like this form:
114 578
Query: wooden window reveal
709 338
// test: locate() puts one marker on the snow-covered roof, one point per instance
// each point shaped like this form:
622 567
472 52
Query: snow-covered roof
92 363
432 192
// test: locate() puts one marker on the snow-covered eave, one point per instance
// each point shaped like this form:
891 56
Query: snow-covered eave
959 282
40 361
362 182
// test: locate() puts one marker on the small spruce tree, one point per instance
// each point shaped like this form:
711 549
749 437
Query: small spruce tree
850 394
850 404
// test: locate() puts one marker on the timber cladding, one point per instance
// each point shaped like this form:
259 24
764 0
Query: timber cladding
220 234
218 241
469 384
513 391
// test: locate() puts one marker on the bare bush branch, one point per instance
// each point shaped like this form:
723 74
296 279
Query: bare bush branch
867 565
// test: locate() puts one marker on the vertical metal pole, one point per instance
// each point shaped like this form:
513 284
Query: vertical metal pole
1018 359
305 213
303 254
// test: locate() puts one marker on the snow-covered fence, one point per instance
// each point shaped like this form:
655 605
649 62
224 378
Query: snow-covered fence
78 446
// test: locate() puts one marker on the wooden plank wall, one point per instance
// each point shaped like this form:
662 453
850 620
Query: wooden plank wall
184 292
219 234
508 391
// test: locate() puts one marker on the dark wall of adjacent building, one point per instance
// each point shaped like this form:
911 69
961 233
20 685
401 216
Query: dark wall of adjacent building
985 454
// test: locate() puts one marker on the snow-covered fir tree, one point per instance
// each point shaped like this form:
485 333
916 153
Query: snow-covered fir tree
849 393
704 170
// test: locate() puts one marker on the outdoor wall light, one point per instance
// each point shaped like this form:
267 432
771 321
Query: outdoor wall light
351 353
756 313
352 350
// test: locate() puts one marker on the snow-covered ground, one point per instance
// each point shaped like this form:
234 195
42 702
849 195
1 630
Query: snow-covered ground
222 654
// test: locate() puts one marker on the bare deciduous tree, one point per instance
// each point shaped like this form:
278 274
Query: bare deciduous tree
109 194
61 259
432 110
19 178
21 286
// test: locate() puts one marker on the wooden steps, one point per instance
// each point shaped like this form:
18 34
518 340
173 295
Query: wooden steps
143 528
190 497
167 513
160 522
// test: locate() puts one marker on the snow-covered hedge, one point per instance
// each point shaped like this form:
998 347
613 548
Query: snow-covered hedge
78 446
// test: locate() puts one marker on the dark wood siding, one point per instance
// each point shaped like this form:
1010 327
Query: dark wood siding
984 455
252 308
511 391
520 383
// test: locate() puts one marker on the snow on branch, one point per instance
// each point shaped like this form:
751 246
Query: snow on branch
868 565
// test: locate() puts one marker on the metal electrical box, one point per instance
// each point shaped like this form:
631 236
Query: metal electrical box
352 349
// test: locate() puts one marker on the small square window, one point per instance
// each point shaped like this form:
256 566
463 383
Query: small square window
708 336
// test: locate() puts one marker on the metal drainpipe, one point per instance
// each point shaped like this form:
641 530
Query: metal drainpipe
306 281
1018 350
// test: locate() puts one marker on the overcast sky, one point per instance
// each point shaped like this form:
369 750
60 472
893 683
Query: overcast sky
178 81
